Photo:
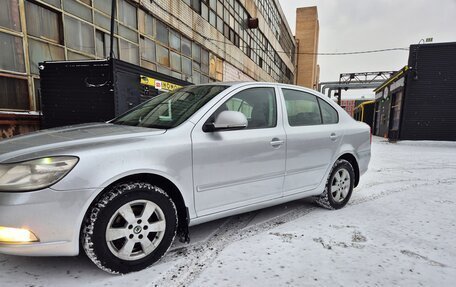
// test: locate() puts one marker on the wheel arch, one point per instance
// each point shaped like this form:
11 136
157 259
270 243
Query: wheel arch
354 162
168 186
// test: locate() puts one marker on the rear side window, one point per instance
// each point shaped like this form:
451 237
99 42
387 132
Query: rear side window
328 113
302 108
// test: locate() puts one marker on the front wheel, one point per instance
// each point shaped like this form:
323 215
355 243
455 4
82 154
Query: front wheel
339 186
130 227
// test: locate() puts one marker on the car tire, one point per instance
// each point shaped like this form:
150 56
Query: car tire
130 227
339 186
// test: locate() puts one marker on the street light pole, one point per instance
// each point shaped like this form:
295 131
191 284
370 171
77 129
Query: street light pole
111 40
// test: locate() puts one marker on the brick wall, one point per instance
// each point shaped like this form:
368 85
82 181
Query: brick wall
307 33
348 106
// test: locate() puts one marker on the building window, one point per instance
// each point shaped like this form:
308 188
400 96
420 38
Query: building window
163 70
9 15
128 33
127 14
212 18
196 77
196 52
146 24
148 65
43 23
219 24
103 45
102 5
212 66
129 52
204 61
12 53
37 89
162 55
176 75
104 22
196 5
78 9
213 4
162 33
204 12
176 62
174 40
76 56
148 49
186 46
219 69
79 35
14 94
220 8
186 66
40 51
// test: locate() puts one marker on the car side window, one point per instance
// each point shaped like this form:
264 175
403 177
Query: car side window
328 113
302 108
257 104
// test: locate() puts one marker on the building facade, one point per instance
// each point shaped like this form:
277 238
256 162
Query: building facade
419 101
198 41
307 35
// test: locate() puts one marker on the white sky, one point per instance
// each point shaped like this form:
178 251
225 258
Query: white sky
357 25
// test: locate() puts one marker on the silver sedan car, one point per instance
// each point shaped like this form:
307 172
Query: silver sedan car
123 190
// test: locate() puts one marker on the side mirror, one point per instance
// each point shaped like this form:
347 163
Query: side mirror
227 120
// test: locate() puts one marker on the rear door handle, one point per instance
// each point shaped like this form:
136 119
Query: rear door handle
333 137
276 142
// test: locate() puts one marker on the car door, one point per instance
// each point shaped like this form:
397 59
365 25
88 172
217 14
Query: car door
240 167
313 136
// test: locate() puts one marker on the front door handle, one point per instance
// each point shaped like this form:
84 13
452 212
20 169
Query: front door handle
333 137
276 142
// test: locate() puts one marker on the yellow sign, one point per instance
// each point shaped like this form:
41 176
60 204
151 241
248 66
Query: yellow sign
159 85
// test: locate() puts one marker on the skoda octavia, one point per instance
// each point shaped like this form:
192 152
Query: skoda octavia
123 190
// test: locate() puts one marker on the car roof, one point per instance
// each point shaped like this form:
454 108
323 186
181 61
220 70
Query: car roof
246 83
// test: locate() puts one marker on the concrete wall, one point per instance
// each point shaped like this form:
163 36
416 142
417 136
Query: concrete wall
231 73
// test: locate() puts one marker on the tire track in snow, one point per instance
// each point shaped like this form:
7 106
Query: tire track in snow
200 256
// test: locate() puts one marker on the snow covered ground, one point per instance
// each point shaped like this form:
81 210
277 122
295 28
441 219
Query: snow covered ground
399 229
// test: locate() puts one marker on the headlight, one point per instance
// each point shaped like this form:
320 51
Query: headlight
16 235
35 174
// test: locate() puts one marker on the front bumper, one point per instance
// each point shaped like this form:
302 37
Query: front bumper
55 217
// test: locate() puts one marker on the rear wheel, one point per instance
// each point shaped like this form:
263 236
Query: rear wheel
130 227
339 186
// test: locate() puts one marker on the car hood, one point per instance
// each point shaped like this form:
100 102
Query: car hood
61 140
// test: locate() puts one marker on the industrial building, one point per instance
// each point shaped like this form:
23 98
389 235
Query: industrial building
192 41
364 112
419 101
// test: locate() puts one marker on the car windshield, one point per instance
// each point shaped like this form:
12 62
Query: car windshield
170 109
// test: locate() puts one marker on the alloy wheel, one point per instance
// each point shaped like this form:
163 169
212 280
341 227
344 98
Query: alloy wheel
135 230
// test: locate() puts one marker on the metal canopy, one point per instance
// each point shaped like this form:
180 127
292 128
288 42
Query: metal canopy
330 86
365 80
